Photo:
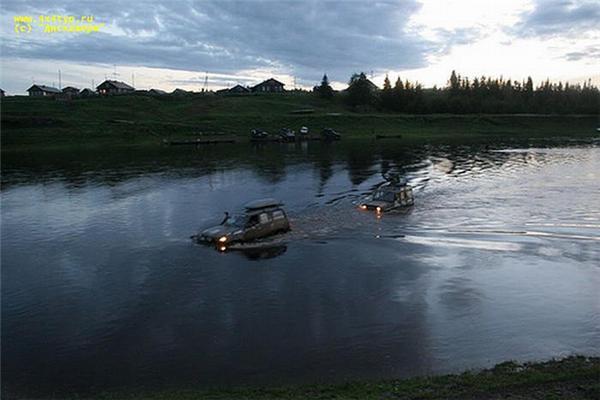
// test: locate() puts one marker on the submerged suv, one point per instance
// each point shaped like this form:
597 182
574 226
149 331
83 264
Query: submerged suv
261 218
389 197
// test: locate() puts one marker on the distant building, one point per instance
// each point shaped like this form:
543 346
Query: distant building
71 90
180 92
87 93
42 90
2 94
269 86
114 87
239 89
157 92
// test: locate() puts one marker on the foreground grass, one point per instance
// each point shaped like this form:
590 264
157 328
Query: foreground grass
569 378
142 120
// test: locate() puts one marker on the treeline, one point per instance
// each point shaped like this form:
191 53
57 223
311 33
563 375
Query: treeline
463 95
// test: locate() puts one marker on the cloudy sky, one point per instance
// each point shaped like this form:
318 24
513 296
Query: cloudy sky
177 43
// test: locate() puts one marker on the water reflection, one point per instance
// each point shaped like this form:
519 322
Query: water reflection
101 287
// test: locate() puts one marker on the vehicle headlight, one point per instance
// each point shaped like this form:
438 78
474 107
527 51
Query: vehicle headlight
363 206
378 209
223 239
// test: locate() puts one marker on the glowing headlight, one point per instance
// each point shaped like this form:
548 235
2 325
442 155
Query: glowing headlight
223 239
363 206
378 209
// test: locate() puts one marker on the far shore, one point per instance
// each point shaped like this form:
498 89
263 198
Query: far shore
143 120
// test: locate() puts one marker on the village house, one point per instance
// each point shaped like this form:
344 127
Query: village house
180 92
42 90
239 89
73 91
269 86
87 93
114 87
157 92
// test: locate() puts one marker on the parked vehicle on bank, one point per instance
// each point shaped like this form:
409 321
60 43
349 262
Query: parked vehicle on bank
329 134
287 135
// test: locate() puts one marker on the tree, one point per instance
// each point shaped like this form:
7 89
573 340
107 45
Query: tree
359 90
324 90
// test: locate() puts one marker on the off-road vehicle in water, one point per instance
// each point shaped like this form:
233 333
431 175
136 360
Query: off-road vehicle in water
395 194
261 218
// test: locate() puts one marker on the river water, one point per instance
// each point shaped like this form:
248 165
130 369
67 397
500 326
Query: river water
102 288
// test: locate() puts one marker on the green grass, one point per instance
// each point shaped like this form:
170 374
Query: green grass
570 378
138 119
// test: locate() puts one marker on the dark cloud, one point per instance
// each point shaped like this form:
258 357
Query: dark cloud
304 38
559 18
589 52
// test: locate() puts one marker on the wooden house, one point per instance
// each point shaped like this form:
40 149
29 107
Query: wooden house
114 87
73 91
42 90
269 86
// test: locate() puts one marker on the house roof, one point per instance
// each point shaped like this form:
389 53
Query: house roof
70 88
270 81
157 91
237 87
116 84
44 88
178 90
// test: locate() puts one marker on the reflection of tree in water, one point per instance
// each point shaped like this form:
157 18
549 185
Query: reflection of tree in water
268 162
359 162
324 162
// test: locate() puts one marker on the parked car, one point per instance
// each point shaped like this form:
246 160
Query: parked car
261 218
287 135
329 134
258 135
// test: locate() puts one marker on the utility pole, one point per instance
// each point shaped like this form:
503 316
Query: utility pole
133 79
59 80
206 82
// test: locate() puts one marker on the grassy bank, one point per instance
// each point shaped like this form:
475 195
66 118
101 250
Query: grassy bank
140 120
569 378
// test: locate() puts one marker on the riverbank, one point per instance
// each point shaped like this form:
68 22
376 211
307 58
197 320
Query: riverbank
569 378
147 120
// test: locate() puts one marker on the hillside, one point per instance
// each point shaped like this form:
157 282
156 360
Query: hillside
139 119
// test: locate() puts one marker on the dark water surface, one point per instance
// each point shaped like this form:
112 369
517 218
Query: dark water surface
102 289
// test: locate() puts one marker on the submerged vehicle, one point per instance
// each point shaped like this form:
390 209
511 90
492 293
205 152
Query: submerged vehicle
287 135
390 196
261 218
258 135
329 134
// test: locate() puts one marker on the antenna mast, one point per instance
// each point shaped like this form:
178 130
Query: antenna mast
206 82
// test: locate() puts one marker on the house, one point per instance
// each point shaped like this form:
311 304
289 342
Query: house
73 91
114 87
179 92
269 86
157 92
87 93
238 89
42 90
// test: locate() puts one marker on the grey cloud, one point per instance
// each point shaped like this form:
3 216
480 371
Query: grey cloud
304 38
559 17
589 52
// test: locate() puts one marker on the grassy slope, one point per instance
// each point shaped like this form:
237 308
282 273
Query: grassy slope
44 122
570 378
